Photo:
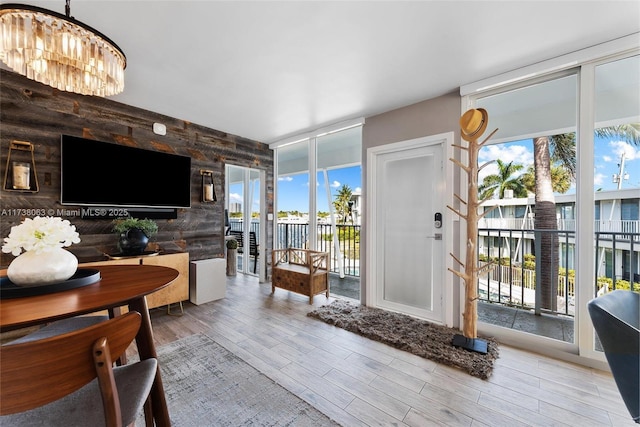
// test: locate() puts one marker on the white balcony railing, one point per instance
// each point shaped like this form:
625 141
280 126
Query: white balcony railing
614 226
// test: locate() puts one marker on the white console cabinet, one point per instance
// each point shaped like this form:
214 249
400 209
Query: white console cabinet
207 280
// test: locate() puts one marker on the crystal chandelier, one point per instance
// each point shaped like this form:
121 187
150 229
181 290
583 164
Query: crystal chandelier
59 51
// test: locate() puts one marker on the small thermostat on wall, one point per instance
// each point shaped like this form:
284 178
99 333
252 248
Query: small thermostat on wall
159 129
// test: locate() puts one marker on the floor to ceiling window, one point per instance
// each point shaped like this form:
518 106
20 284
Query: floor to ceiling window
318 200
616 180
566 150
532 159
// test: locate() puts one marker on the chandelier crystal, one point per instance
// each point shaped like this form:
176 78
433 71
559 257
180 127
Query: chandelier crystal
59 51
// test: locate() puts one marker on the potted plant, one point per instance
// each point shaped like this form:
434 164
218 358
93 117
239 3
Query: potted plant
232 251
134 234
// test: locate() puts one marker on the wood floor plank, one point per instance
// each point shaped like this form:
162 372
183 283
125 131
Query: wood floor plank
337 414
426 407
571 417
360 382
469 408
382 401
371 415
522 414
416 418
407 381
330 392
560 401
610 403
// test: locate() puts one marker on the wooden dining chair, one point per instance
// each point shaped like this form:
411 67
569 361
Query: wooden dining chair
69 379
60 327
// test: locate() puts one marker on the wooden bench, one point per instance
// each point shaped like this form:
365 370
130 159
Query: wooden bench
300 270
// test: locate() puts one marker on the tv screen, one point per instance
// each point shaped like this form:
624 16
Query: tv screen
95 173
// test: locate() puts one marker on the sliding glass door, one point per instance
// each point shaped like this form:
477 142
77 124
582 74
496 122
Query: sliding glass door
318 197
530 183
616 178
564 197
245 214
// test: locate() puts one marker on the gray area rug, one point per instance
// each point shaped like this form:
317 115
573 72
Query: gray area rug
207 385
408 333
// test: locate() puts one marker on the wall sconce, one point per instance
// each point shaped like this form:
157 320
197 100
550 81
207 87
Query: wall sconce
208 190
20 172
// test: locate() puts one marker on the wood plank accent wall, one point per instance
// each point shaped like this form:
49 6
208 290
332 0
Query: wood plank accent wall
39 114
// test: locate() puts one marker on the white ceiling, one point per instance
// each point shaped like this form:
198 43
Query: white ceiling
266 70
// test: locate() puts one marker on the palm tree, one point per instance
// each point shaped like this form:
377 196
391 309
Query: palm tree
547 151
560 176
501 181
341 203
629 132
545 219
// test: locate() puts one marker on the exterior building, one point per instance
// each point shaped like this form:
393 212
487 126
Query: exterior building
507 233
235 207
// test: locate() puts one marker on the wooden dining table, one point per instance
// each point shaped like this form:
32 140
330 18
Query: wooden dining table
118 286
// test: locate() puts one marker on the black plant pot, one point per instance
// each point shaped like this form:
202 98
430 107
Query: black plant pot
133 242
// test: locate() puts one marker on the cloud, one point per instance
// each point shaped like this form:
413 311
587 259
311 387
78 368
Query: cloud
599 179
507 153
285 178
607 158
519 154
235 198
336 184
620 147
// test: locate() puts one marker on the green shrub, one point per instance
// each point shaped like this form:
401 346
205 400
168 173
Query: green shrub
348 233
624 285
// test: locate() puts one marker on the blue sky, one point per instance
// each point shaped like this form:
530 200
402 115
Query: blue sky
607 158
293 191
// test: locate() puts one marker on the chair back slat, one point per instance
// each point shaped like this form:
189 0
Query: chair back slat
253 244
239 238
35 373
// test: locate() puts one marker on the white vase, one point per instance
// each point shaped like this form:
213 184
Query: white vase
42 268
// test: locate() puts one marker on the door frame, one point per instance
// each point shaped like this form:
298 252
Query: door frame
450 235
246 216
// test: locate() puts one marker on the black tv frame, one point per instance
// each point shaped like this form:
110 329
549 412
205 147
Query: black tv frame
101 174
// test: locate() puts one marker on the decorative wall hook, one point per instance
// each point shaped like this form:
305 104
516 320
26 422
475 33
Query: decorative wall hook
208 189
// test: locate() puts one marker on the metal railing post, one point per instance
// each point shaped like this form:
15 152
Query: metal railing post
538 250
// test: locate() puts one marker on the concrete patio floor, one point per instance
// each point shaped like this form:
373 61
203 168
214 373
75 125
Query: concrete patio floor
546 325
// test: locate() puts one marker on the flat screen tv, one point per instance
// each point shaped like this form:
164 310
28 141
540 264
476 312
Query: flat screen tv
95 173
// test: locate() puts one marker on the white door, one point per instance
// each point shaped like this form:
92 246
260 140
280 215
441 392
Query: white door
408 266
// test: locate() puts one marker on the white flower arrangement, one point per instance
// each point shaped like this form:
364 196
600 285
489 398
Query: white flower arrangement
40 234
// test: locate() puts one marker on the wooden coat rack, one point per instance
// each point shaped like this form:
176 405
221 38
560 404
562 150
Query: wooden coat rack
472 125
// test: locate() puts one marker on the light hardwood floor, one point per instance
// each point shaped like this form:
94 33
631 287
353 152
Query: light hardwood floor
359 382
